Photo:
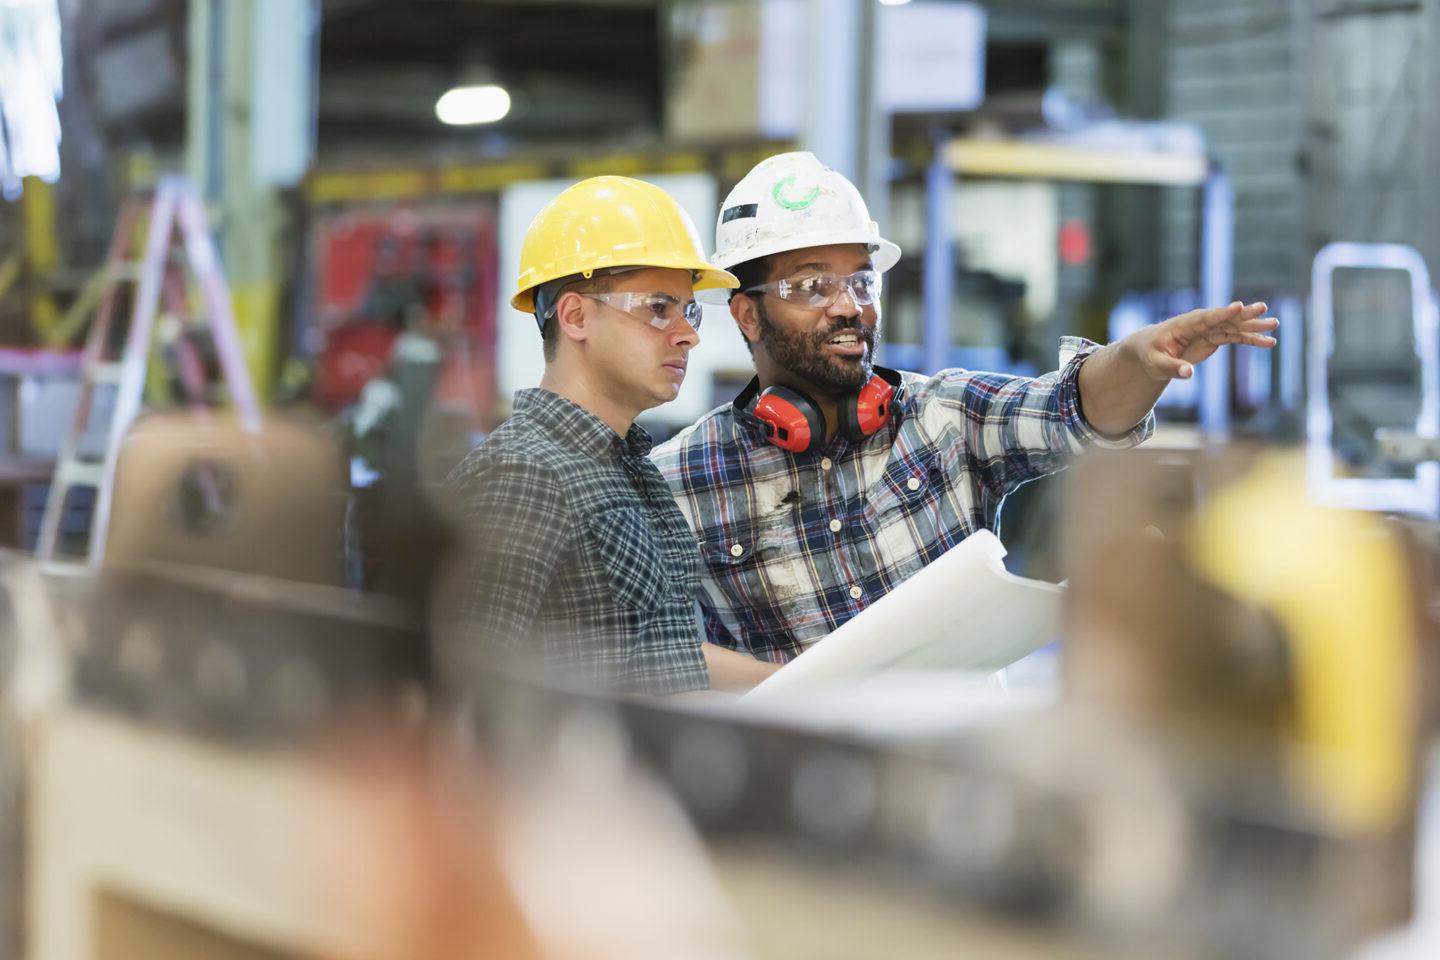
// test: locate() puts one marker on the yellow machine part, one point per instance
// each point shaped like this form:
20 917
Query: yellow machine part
1337 582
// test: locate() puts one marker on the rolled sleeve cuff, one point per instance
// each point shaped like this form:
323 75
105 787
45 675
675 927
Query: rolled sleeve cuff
1073 353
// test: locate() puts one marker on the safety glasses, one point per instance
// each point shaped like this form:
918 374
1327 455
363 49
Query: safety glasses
823 289
660 310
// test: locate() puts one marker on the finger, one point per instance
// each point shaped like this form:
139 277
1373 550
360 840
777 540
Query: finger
1256 340
1232 312
1236 316
1235 310
1203 318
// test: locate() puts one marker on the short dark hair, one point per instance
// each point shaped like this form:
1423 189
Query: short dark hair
599 283
751 273
549 341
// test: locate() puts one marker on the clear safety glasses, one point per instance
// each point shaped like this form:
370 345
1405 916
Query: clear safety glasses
660 310
823 289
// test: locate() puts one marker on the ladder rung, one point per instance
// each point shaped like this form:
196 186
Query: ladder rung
77 473
111 372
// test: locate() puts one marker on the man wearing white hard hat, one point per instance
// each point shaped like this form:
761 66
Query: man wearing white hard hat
830 480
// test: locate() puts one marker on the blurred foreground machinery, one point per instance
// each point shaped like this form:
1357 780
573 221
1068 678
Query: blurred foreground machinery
241 763
1229 771
218 618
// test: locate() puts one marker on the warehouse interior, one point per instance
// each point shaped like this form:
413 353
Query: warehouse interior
258 287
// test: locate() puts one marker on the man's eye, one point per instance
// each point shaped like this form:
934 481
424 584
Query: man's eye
659 306
811 285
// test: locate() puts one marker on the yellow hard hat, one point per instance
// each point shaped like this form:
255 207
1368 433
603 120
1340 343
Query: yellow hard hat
609 222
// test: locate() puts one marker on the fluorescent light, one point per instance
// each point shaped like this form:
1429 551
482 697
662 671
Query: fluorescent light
466 106
31 63
893 3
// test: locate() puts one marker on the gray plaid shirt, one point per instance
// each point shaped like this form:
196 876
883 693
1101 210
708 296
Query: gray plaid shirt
576 555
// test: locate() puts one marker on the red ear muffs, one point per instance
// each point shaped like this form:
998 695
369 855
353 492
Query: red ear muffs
868 410
792 420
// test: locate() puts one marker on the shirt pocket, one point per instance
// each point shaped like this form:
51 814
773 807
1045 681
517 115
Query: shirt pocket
910 515
630 554
757 567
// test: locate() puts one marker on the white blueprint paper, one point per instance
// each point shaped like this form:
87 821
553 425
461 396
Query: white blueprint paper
964 611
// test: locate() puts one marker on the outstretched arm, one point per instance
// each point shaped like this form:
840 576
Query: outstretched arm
735 671
1121 382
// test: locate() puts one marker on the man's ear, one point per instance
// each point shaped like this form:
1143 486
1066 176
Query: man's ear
747 316
570 316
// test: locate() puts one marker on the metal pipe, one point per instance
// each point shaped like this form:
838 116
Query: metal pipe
939 272
1217 288
835 83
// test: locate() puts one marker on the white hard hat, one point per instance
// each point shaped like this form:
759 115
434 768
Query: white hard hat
792 201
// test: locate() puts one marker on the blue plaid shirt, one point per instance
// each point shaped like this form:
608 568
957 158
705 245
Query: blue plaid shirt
793 546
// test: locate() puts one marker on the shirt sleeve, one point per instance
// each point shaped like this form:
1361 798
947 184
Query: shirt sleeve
516 529
1020 428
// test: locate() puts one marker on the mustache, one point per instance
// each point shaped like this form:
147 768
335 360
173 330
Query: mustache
847 325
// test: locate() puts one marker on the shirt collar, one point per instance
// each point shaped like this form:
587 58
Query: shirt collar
573 426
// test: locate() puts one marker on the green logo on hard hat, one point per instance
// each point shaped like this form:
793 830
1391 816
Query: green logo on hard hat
779 193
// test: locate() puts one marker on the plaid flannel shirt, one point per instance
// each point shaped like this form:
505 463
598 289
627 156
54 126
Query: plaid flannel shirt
576 556
793 546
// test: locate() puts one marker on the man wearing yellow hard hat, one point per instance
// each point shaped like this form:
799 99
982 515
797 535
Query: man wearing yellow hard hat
579 561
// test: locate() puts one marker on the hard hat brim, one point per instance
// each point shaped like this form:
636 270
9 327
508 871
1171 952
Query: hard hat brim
707 277
885 254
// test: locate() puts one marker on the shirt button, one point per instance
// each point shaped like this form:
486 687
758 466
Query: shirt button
736 550
826 463
834 526
913 483
855 593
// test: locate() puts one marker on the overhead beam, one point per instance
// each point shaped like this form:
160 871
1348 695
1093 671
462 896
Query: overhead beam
1016 21
1020 159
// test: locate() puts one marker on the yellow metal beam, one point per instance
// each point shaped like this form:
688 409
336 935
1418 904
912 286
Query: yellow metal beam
10 269
1023 160
486 177
73 321
42 248
344 186
370 185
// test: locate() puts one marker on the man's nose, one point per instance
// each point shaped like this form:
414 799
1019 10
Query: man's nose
845 304
684 335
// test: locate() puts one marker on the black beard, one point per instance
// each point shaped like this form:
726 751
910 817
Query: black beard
804 356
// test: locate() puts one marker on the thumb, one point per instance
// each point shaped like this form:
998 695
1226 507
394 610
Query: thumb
1172 368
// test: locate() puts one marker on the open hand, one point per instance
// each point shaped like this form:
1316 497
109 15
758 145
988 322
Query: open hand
1169 350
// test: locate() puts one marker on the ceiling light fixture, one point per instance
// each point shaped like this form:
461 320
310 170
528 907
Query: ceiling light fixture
468 106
